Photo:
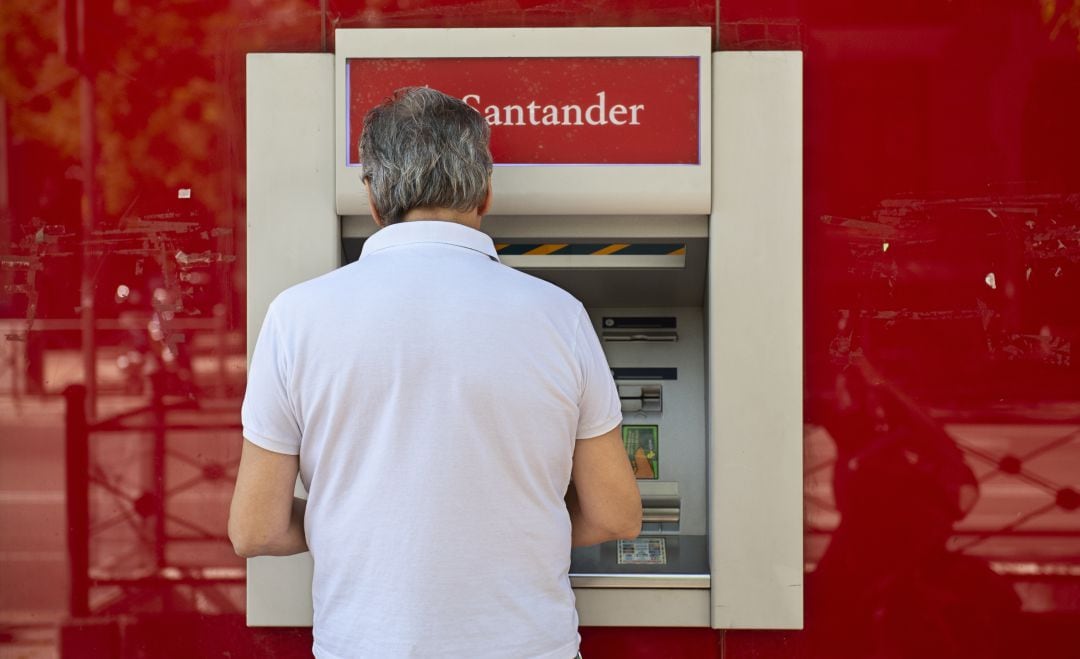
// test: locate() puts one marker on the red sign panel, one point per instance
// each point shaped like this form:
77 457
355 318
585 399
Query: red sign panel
554 110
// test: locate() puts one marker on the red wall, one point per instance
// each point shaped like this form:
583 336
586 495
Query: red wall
942 297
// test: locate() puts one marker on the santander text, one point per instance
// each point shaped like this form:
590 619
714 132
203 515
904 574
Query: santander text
535 114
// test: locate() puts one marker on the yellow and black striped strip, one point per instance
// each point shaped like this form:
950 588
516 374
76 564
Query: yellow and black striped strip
591 249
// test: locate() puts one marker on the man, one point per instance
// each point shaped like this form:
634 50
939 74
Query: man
437 405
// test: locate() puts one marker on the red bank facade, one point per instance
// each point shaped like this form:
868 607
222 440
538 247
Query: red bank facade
831 250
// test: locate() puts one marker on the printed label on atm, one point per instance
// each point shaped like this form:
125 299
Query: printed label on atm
643 551
643 448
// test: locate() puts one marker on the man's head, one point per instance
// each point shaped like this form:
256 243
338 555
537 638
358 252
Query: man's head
425 150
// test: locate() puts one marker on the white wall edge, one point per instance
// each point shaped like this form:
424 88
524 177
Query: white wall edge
755 342
293 234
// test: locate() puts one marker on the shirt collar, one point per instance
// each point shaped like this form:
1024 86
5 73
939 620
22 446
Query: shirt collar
430 231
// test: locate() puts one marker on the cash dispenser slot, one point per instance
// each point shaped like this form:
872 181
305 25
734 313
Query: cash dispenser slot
660 503
647 398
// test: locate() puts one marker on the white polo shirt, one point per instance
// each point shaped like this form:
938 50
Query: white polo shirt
434 396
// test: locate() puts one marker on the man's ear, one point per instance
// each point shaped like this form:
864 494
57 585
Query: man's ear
483 208
371 206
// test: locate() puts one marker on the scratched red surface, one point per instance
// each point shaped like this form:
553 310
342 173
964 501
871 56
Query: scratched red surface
942 233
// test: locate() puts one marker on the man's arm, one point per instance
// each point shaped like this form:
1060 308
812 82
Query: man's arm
265 518
603 499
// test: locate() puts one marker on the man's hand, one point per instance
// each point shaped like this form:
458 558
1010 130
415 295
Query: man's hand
265 518
603 499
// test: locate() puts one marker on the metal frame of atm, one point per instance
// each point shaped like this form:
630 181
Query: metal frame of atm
753 310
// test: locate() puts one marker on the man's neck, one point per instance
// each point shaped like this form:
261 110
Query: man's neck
470 219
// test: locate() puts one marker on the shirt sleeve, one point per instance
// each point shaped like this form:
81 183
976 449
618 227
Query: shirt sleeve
268 415
599 410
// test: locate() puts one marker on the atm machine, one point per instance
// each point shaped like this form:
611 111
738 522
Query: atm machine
681 234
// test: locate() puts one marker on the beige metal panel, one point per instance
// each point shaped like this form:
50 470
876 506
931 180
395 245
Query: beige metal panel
755 341
279 591
642 607
595 226
543 227
555 190
293 234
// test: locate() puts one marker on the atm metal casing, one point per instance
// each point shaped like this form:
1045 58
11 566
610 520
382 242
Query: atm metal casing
730 423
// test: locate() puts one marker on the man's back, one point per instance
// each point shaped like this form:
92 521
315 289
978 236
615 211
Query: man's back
439 395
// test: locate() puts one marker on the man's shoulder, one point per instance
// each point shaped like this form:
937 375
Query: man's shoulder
308 293
534 288
311 297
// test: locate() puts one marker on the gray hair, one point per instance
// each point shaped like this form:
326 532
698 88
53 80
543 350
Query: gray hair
424 149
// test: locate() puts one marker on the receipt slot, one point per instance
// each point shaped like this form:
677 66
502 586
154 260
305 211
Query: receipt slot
680 231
